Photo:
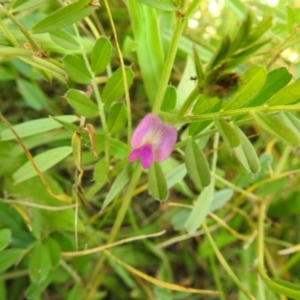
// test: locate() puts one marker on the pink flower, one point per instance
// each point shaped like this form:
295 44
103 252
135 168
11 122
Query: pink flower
152 140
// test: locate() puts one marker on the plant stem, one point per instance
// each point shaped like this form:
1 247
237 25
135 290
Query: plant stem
71 272
225 264
13 274
180 25
97 95
8 34
116 227
126 202
261 222
241 111
127 97
215 273
20 26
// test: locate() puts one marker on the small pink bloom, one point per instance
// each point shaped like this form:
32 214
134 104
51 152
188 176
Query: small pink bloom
152 140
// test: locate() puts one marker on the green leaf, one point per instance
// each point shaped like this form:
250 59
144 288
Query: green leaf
220 198
169 101
290 94
241 56
5 238
200 210
101 55
176 175
254 79
64 16
173 118
118 148
76 144
246 153
114 88
100 172
74 293
11 219
197 165
9 257
117 118
64 39
53 250
35 126
39 264
263 26
198 65
220 54
118 185
20 5
44 161
166 5
36 288
276 80
82 104
157 182
291 121
242 33
228 133
46 68
71 127
129 45
76 69
32 95
276 127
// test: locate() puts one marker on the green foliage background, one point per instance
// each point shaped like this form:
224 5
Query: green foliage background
219 219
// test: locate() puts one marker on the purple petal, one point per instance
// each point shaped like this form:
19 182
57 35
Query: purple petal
144 153
144 131
152 131
146 157
163 148
135 154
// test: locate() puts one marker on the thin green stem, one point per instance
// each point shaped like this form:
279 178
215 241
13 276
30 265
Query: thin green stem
13 274
191 8
216 273
126 202
20 26
283 160
272 285
289 264
97 95
225 265
71 272
241 111
116 227
261 242
127 97
215 155
8 34
261 288
236 188
166 73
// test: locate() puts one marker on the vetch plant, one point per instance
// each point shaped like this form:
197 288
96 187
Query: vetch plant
222 85
152 141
